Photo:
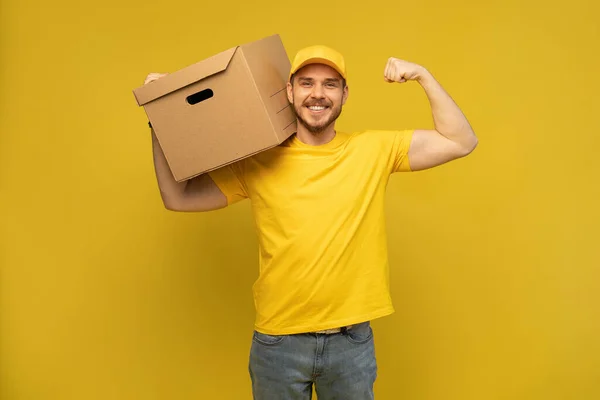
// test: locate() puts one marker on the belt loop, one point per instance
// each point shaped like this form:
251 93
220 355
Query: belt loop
344 330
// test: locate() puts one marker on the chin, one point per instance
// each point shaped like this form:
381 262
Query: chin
315 129
316 126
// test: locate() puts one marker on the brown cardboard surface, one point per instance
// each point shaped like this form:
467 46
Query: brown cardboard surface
247 113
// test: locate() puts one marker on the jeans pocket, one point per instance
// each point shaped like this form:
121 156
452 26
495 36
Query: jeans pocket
360 333
267 340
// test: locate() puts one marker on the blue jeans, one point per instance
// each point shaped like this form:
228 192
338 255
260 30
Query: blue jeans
340 365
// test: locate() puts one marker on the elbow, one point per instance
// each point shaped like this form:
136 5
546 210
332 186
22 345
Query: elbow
171 205
468 147
172 202
177 208
473 145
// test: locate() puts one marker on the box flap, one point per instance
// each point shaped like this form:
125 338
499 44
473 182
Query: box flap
184 77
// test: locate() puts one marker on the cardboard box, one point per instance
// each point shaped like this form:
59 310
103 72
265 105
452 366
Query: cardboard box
223 109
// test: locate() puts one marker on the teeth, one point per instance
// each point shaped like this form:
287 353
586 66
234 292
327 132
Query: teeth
316 108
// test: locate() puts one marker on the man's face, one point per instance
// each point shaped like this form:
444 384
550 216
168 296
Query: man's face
317 94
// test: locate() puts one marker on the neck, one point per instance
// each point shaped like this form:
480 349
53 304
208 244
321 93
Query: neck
315 139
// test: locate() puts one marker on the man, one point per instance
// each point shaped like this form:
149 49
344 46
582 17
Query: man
318 202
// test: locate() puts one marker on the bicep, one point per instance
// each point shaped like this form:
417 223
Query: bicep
429 148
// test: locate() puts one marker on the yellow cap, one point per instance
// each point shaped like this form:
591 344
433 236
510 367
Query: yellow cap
319 55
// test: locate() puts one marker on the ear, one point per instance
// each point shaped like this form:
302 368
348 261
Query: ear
290 92
345 94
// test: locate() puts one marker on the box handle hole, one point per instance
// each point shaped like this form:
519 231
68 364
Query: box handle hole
199 97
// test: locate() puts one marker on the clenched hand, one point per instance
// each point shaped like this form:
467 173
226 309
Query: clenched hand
400 71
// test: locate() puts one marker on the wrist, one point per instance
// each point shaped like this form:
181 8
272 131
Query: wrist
424 76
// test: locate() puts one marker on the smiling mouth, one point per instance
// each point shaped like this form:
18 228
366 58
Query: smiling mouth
317 108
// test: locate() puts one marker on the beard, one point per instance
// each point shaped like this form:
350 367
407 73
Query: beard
318 127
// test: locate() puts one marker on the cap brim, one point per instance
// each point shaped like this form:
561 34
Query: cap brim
317 60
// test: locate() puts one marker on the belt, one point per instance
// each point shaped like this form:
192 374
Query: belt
342 329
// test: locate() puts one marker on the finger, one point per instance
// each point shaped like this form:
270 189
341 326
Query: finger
394 73
386 72
401 76
153 76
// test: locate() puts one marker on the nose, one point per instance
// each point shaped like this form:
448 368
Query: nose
317 92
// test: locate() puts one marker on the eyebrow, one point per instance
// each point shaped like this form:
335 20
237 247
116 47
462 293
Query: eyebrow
336 80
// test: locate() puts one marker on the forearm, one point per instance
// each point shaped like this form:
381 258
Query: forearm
196 194
171 191
449 120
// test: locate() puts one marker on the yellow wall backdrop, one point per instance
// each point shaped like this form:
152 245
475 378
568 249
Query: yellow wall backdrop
495 258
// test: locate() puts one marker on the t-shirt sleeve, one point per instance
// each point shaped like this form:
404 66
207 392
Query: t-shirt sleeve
400 147
230 180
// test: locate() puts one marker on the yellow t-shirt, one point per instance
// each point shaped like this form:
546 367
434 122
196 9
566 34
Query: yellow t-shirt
319 213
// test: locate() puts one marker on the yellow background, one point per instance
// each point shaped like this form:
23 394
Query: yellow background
495 258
